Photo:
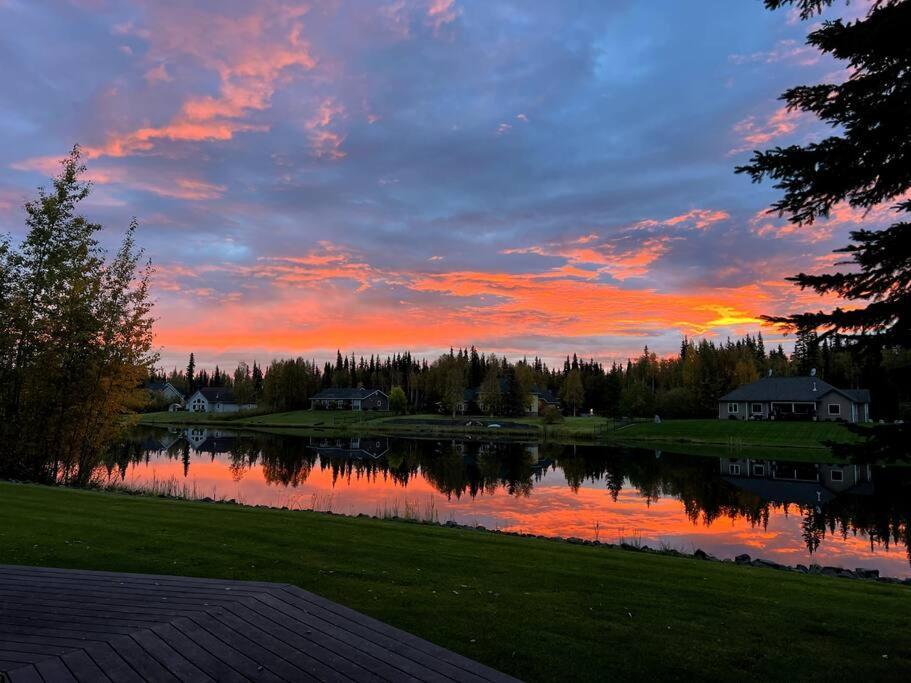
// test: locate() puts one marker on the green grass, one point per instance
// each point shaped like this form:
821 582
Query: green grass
738 433
540 610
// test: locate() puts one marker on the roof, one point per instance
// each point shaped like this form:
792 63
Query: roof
545 395
344 394
160 386
857 395
217 394
791 389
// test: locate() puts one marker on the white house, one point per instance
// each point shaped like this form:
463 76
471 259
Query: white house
216 400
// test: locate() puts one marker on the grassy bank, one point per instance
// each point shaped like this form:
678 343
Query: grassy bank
536 609
737 433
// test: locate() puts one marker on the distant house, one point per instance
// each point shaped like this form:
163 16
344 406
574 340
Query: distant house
350 399
794 398
541 399
216 400
165 391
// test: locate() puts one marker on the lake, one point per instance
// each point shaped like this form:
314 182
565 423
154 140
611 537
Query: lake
844 515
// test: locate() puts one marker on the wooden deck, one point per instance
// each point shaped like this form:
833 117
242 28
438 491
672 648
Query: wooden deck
69 625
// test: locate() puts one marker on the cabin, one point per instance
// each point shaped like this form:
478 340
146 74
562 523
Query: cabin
216 400
794 398
350 399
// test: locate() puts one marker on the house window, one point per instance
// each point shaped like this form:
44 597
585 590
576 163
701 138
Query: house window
834 409
756 408
758 470
837 475
734 469
733 407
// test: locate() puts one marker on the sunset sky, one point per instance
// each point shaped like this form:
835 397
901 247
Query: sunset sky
528 177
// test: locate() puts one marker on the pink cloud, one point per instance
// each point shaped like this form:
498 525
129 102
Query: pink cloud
780 123
442 12
789 51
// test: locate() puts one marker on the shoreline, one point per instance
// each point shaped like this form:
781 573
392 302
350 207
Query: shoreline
742 559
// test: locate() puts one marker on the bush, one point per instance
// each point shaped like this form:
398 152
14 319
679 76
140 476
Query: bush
551 415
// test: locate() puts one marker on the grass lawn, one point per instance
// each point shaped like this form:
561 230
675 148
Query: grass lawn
738 433
537 609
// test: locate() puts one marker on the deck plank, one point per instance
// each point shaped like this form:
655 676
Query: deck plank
81 625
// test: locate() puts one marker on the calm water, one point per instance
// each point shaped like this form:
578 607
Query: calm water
851 516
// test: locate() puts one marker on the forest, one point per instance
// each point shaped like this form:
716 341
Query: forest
683 385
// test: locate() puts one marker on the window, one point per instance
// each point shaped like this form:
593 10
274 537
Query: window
733 407
758 470
756 408
834 409
734 469
837 475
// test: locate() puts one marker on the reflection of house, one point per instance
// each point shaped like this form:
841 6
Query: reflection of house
168 439
356 447
164 391
794 398
206 440
350 399
797 482
216 400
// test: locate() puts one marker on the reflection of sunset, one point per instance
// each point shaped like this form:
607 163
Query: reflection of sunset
552 509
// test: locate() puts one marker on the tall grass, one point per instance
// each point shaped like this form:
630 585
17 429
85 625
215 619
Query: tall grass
411 510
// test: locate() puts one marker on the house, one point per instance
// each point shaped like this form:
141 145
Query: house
165 391
794 398
216 400
539 399
350 399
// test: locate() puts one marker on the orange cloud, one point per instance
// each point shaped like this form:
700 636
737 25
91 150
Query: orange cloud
250 55
625 255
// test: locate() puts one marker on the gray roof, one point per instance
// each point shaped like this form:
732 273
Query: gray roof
344 394
217 394
809 389
857 395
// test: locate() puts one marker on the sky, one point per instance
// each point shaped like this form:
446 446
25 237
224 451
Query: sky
533 178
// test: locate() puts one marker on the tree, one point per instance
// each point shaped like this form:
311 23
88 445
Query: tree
490 395
572 391
191 375
867 165
77 337
398 402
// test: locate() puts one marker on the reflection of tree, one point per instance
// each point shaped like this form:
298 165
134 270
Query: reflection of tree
458 469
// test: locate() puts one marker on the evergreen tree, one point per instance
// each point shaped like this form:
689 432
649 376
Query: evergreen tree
866 165
191 375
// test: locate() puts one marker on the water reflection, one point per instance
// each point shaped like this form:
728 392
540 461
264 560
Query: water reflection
853 515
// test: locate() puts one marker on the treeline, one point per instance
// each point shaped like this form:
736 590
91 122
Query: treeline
75 340
684 385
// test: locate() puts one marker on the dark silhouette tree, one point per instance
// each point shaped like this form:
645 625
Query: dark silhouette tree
866 164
